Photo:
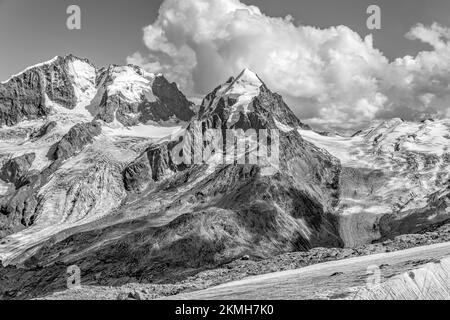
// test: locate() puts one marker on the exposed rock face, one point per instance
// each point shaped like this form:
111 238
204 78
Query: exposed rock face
58 83
44 130
172 98
22 206
76 139
17 211
138 175
156 163
127 94
22 99
149 98
245 102
26 95
16 169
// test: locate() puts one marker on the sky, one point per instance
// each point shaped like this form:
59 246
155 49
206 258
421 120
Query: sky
315 53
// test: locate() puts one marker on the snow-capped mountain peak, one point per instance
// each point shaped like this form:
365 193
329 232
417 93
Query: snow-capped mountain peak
246 85
237 93
38 65
248 77
130 95
71 85
244 101
130 82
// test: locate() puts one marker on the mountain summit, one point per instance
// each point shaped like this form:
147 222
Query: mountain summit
245 102
126 94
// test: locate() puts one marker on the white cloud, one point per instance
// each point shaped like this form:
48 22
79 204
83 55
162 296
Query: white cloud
330 77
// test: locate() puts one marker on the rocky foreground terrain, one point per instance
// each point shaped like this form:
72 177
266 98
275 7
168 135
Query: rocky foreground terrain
354 286
91 176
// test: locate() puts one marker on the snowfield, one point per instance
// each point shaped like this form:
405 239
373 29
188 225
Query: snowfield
239 93
392 167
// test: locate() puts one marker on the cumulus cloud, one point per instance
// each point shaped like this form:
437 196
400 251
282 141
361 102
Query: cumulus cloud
329 77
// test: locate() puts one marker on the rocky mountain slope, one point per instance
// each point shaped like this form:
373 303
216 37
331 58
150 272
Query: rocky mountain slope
109 169
110 192
333 284
62 154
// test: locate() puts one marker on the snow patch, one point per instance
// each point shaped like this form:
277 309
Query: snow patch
131 85
283 127
241 91
83 76
142 130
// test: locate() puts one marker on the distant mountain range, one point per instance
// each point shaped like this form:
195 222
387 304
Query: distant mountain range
88 178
